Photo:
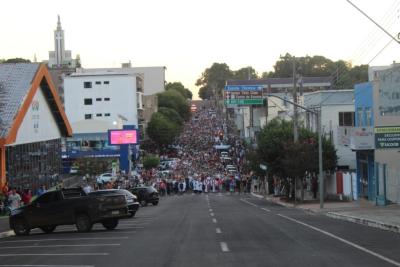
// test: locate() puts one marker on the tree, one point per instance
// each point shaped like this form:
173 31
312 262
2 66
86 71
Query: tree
186 93
17 60
150 161
244 74
174 100
213 80
162 131
172 115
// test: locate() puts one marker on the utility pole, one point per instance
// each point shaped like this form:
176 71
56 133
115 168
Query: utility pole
295 130
321 177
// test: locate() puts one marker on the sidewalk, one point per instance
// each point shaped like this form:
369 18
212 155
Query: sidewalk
362 212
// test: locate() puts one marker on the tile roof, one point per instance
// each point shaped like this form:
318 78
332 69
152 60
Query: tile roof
15 83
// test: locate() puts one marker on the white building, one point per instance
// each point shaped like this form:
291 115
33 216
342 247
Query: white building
153 77
337 109
60 57
97 100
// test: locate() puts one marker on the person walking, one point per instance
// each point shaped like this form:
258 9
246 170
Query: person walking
14 199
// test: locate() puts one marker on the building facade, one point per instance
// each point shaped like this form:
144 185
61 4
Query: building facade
32 125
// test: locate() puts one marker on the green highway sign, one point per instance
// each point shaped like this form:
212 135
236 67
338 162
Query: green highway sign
256 101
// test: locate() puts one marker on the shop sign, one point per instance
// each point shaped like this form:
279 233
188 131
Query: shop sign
362 138
387 137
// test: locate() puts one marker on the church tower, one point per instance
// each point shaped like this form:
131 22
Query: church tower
60 57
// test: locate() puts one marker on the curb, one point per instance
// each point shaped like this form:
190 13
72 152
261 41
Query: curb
287 205
363 221
256 195
7 234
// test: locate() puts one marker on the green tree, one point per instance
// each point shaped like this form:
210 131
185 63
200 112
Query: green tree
161 130
244 74
17 60
213 80
172 115
186 93
174 100
150 161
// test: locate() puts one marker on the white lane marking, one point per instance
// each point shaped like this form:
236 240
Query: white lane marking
218 231
214 220
53 246
224 247
245 201
212 214
63 239
266 209
210 210
343 240
54 254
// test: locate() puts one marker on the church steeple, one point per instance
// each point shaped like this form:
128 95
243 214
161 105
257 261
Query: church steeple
59 24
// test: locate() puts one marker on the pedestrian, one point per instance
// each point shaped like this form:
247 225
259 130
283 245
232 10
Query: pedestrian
314 187
14 199
41 190
26 196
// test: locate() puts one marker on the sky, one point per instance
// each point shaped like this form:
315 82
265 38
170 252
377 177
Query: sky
188 36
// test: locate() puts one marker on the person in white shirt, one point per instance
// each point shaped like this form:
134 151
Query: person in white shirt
14 199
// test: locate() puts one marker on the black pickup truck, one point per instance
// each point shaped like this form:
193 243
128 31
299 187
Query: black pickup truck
69 206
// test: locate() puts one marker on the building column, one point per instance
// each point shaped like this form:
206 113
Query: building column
2 166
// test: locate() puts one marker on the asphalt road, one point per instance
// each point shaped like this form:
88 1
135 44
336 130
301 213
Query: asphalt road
210 230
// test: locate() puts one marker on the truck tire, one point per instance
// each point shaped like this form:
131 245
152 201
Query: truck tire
83 223
110 224
48 229
20 227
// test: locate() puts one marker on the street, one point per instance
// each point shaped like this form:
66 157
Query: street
215 229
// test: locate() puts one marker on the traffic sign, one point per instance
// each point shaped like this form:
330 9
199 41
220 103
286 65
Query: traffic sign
256 101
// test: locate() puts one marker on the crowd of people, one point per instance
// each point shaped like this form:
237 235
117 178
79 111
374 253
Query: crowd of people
199 166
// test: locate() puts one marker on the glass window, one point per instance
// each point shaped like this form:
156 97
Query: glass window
87 84
360 119
346 118
368 116
88 101
107 114
98 82
98 99
106 99
106 82
99 115
88 116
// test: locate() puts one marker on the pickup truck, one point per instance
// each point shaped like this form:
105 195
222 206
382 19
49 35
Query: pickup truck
69 206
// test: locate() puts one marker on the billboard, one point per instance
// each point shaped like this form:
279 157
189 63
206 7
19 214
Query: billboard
243 95
122 137
387 137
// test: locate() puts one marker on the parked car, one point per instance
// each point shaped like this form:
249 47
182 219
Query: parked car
69 206
105 178
131 199
146 194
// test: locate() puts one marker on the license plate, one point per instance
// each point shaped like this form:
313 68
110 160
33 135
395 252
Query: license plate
115 212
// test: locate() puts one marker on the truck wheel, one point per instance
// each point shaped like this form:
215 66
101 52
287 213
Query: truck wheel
83 223
48 229
21 228
110 224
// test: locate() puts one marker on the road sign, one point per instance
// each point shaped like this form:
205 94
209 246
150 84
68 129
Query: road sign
243 88
256 101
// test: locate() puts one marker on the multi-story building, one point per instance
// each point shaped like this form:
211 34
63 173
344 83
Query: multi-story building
98 100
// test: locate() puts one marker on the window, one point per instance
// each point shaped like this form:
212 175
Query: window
368 116
106 82
360 117
98 99
88 101
106 114
88 116
106 99
99 115
98 82
87 84
346 118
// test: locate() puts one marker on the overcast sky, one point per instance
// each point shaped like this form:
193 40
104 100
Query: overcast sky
187 36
